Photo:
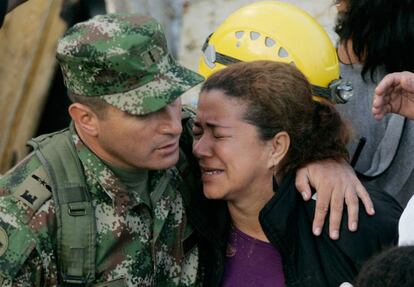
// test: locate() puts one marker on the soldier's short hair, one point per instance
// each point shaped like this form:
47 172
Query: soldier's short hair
96 104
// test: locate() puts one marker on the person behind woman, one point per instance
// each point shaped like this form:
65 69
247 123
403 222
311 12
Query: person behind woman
256 124
395 94
393 267
376 37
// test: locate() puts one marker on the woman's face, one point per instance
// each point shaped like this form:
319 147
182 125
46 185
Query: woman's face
234 161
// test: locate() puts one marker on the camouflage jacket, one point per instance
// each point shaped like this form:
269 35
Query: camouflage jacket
135 245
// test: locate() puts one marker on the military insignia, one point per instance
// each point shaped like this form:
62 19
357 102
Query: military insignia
34 190
4 241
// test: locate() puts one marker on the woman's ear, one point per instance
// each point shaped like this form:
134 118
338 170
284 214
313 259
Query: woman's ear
341 5
85 119
280 146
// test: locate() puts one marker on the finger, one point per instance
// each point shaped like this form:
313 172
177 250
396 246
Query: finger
321 209
378 116
365 198
388 109
377 113
383 105
352 204
335 217
408 82
380 100
377 101
387 83
302 183
378 107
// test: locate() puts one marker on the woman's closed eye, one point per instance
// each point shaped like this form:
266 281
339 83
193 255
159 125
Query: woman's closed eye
197 132
220 136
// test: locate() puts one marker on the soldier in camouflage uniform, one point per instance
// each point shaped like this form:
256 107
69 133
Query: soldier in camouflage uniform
125 135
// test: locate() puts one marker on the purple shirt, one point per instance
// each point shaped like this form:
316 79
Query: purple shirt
252 262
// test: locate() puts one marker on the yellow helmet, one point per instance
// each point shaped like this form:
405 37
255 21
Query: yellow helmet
277 31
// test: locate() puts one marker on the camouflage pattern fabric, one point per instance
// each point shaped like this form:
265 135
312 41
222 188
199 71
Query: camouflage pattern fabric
136 245
123 59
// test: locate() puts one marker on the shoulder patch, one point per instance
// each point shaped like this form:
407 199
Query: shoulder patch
4 241
34 190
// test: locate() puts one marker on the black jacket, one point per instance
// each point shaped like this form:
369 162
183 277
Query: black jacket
308 260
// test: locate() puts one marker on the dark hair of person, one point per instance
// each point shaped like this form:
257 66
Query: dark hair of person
279 98
394 267
96 104
382 33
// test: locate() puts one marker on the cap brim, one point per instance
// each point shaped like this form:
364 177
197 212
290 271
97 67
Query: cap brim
156 94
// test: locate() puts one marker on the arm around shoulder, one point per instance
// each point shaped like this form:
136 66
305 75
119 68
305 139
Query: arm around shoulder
375 233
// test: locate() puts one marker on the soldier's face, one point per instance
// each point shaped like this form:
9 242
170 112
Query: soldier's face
143 142
233 159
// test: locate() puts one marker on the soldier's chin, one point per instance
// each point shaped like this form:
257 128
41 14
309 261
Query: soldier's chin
167 161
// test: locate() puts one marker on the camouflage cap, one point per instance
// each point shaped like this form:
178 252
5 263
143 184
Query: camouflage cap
124 59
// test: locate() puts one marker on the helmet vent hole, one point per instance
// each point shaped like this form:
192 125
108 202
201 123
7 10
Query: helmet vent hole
283 53
269 42
254 35
239 34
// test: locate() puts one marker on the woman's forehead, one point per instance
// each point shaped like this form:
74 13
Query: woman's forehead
215 105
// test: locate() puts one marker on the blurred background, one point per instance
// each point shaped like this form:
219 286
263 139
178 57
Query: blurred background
32 95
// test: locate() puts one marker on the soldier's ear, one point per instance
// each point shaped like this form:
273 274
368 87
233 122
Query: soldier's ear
86 121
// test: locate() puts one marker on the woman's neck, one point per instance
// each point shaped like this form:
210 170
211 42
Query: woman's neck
346 53
245 213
